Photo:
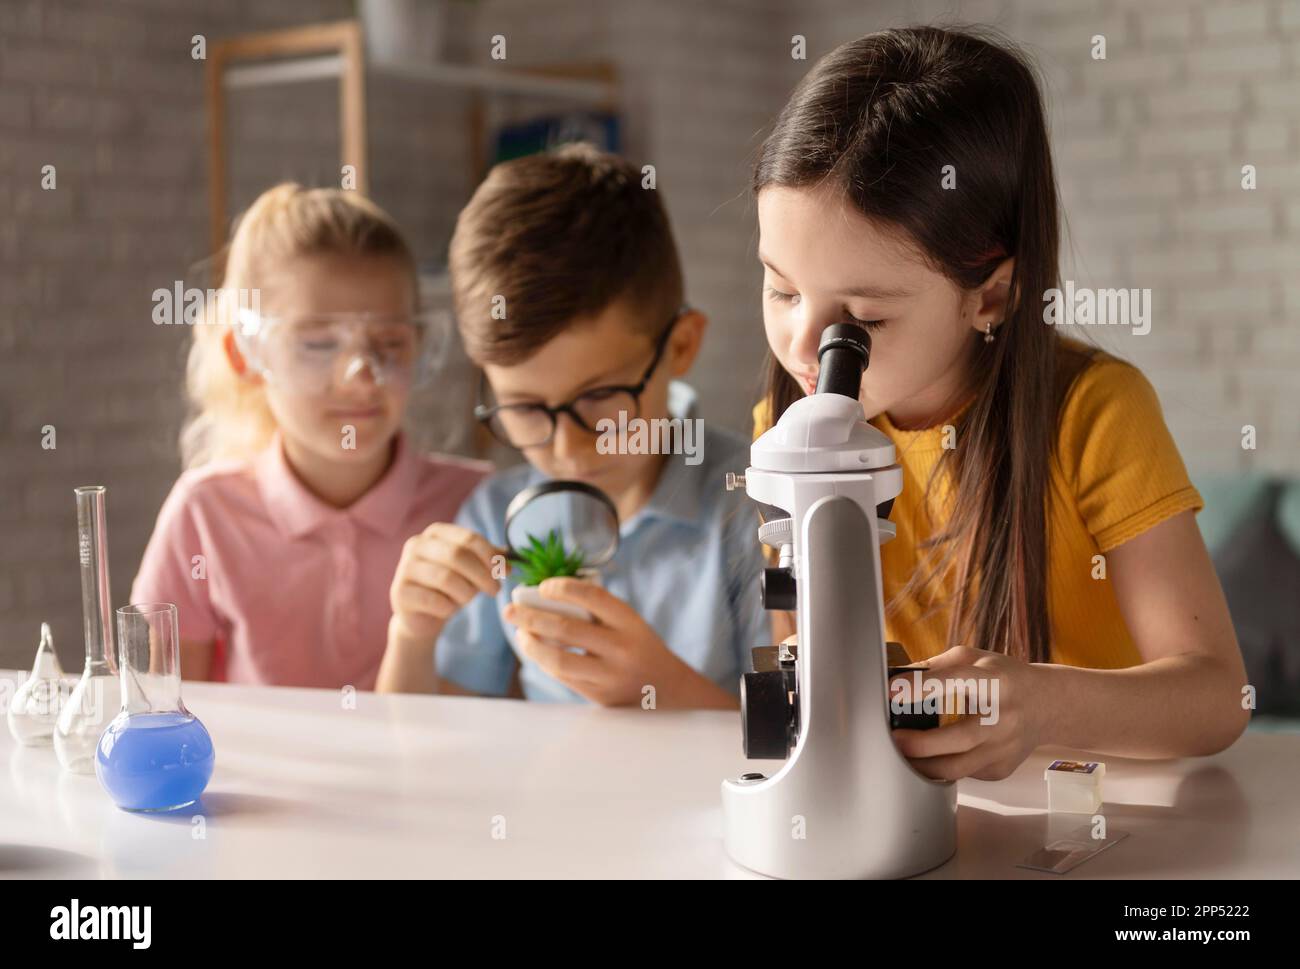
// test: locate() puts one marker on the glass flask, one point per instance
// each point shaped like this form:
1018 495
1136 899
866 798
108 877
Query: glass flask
34 710
155 755
96 698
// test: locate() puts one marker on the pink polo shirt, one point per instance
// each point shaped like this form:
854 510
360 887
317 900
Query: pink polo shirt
291 591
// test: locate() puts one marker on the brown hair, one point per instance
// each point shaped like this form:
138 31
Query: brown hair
560 236
879 118
229 416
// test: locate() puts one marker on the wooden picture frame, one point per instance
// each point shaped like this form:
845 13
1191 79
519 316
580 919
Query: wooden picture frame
329 49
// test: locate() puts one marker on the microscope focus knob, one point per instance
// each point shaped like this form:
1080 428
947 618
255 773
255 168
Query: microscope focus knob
778 589
777 532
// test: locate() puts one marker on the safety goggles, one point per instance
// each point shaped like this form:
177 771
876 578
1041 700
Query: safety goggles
311 354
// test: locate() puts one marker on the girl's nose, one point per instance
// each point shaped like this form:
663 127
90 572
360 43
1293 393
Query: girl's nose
807 334
364 367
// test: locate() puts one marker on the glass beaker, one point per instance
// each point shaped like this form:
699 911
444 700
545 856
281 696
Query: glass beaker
96 698
155 755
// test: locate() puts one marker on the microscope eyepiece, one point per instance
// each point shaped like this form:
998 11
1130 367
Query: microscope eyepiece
843 354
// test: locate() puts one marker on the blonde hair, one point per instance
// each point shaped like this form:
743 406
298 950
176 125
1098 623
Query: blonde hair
229 415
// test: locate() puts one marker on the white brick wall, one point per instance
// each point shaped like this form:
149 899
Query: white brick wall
109 95
1149 143
1212 86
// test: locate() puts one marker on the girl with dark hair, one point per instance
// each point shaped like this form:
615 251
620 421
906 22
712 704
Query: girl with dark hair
1046 536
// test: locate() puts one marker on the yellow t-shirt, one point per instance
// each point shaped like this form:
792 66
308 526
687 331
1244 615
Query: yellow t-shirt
1115 474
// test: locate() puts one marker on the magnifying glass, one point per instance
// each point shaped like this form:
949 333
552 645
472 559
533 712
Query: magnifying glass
559 528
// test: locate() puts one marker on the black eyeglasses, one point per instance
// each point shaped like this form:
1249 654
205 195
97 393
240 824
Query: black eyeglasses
531 425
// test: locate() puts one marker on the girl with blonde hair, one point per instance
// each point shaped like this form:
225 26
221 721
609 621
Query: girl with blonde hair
279 540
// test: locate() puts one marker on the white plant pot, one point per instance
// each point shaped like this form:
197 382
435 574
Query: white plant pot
531 596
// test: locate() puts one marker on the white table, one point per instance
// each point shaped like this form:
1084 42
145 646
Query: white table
412 786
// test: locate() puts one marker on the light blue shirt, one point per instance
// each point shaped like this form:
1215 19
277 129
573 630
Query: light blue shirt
688 562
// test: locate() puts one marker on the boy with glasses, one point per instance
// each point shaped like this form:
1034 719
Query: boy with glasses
568 294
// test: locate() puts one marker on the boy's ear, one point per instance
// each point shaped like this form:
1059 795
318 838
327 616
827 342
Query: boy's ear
237 361
993 302
684 344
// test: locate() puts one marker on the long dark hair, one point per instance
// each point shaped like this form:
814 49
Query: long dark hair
879 118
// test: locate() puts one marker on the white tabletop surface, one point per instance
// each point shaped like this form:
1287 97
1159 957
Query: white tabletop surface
415 786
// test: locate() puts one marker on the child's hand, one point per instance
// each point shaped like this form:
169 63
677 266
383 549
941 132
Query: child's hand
968 748
441 569
624 655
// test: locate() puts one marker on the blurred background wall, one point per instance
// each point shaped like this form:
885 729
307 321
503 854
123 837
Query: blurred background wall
1150 144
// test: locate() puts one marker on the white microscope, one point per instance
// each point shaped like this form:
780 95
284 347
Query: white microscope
846 803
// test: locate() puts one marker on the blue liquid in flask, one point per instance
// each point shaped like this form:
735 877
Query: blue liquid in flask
154 761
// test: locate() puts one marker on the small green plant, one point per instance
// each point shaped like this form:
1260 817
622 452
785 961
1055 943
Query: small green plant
546 558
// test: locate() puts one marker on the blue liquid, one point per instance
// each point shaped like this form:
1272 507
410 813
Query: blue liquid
154 761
